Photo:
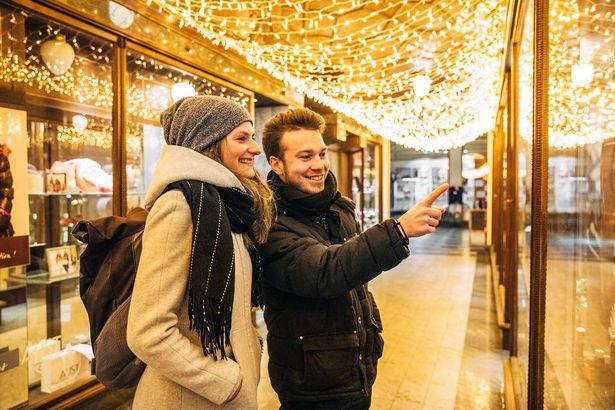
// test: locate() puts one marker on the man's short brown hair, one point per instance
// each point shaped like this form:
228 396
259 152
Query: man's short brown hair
295 119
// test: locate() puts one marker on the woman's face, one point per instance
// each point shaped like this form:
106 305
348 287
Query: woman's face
239 150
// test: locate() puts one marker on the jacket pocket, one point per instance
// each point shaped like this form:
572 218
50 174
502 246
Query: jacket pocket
330 362
378 340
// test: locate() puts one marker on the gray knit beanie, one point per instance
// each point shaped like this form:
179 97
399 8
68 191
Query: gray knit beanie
201 121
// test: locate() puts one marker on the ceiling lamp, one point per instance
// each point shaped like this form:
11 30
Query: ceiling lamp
181 90
582 74
120 15
421 84
57 54
80 122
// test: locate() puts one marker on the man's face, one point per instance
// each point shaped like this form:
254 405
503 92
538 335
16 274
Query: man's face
304 163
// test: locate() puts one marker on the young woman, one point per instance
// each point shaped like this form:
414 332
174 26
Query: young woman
197 280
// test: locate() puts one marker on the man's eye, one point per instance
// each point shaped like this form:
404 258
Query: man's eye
305 157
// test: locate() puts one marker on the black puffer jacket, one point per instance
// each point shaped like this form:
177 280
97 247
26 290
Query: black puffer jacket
323 324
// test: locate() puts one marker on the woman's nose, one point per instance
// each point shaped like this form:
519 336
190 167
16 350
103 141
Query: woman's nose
254 148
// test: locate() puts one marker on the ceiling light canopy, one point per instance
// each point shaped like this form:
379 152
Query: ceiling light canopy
367 59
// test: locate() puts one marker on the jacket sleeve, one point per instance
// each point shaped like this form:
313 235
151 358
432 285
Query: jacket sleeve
159 291
303 266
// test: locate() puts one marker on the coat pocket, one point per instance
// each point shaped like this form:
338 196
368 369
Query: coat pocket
330 362
378 340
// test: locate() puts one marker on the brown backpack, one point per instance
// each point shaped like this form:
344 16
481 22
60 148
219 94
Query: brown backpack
108 270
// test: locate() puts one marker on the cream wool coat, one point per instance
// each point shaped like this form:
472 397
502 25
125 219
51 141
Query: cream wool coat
178 375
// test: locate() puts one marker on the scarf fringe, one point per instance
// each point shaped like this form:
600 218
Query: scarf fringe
211 320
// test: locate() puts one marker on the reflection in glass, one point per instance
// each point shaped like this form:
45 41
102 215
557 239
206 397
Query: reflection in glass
579 367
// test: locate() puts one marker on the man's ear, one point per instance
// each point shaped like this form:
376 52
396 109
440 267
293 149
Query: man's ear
276 165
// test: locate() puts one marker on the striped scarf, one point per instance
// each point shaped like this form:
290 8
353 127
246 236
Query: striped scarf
216 212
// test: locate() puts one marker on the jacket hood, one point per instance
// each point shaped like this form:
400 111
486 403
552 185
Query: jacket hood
179 163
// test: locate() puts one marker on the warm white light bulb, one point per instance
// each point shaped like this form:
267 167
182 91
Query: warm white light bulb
421 84
582 74
181 90
80 122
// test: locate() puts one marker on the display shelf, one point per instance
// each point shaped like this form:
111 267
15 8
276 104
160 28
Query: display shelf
41 278
82 388
69 194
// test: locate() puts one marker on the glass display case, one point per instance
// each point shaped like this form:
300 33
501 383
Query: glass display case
366 182
60 82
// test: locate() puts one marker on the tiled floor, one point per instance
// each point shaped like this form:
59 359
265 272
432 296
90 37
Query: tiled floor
432 360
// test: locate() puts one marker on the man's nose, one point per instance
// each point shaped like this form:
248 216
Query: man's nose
318 163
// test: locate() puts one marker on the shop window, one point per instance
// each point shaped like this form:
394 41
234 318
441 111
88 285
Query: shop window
56 86
152 87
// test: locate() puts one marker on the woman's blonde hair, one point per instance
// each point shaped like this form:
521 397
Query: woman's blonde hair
264 204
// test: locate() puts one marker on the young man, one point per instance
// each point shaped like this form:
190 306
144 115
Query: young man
323 324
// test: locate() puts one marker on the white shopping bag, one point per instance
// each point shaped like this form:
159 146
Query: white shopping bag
35 353
61 369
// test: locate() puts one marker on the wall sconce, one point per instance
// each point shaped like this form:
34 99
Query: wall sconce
57 54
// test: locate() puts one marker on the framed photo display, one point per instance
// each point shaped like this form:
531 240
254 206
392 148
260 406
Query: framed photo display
62 260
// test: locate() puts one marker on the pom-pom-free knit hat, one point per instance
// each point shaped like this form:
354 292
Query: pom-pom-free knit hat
201 121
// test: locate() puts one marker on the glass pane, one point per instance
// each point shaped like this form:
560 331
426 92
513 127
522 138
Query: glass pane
371 186
57 82
580 311
152 87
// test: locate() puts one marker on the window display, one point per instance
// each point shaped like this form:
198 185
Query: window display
153 86
579 315
61 79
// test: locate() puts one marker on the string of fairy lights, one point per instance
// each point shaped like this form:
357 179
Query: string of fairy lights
421 73
87 79
581 74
